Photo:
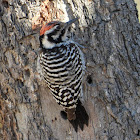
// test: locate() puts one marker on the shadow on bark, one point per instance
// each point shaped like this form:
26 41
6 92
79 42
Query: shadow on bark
82 117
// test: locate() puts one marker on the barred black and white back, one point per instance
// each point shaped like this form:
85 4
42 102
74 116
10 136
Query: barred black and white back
62 66
63 69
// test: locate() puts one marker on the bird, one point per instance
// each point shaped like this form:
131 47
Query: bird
63 64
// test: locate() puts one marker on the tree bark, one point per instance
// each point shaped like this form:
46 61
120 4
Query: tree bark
110 32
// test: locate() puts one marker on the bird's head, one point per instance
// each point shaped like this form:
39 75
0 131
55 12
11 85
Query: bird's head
54 32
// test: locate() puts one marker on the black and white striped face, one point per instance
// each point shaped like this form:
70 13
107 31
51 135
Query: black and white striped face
54 33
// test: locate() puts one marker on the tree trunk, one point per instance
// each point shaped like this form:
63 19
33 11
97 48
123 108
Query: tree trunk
110 32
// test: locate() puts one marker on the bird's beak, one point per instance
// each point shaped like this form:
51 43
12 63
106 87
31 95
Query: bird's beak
67 24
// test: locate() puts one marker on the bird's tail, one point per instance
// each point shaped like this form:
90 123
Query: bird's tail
78 116
71 113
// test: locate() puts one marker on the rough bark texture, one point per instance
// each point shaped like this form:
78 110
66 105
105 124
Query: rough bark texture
110 32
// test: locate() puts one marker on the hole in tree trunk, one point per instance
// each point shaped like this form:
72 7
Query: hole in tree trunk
89 79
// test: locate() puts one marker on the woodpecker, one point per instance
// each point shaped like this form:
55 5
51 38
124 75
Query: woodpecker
62 63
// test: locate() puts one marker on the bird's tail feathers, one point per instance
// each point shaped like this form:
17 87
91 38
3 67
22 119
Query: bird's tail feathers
71 113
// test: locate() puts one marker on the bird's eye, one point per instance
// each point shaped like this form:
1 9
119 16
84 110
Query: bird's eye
58 27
